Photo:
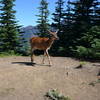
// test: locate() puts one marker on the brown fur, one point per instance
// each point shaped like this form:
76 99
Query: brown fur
41 43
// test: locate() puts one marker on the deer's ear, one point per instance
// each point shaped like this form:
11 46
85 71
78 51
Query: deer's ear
57 30
49 31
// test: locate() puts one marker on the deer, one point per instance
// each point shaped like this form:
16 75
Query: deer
43 43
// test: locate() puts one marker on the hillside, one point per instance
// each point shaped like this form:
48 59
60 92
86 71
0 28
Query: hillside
29 31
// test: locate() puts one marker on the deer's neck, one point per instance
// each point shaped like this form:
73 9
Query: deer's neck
50 41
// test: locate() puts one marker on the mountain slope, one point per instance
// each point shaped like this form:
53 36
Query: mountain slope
29 32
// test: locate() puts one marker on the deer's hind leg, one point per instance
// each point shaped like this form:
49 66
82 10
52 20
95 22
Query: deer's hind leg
32 56
44 57
48 57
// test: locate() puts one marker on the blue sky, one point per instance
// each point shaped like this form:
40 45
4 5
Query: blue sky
27 9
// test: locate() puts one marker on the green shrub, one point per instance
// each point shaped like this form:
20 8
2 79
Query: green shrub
55 95
91 49
81 52
9 53
87 53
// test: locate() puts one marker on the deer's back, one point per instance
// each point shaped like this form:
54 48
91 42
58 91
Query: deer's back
39 43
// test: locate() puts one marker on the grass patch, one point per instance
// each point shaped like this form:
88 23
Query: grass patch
11 53
55 95
82 62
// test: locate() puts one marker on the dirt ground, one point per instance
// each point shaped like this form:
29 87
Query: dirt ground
19 80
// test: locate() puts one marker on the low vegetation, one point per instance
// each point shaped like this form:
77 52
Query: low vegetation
55 95
9 53
81 64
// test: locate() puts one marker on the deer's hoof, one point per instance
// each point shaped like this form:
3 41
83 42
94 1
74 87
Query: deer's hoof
50 65
33 63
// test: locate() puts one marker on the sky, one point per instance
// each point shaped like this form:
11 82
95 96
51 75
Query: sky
27 11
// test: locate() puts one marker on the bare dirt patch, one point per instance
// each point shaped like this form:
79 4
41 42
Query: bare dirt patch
21 81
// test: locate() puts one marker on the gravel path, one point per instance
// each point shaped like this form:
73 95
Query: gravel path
19 80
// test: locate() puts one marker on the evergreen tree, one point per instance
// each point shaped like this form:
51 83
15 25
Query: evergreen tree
23 46
58 21
68 30
74 24
85 17
8 26
58 15
95 13
42 21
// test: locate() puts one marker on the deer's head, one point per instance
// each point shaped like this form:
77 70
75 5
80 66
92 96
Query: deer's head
54 34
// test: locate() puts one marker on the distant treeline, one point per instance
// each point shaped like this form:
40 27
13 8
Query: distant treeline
78 22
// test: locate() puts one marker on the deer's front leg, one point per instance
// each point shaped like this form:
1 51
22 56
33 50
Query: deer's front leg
48 57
